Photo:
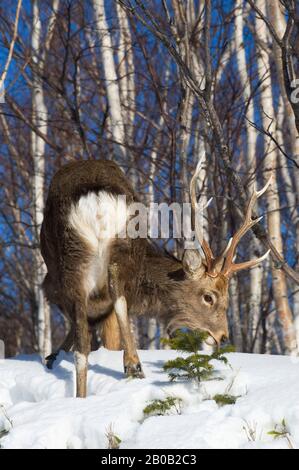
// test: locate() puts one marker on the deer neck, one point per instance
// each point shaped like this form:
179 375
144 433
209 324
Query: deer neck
157 281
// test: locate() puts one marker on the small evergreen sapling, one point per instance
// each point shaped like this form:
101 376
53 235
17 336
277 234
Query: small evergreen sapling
196 366
225 399
163 407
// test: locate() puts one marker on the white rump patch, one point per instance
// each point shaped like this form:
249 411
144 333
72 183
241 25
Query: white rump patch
98 218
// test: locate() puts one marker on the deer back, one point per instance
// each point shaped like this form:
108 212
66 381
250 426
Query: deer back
74 252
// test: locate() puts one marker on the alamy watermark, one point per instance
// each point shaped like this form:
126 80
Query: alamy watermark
117 219
295 92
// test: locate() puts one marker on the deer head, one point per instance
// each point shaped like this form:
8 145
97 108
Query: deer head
206 277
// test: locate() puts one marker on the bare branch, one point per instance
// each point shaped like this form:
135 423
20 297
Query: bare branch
12 45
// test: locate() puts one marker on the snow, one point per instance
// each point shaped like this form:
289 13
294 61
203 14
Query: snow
38 409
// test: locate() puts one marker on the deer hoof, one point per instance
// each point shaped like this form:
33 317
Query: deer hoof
134 370
50 360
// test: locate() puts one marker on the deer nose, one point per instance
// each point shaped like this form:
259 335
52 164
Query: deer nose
221 338
224 334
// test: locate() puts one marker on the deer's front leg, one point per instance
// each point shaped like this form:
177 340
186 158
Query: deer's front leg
132 365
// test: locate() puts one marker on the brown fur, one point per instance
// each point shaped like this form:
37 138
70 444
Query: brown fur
152 282
110 333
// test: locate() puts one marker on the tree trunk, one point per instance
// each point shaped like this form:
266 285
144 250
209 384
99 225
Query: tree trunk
257 272
111 80
235 315
270 168
39 118
291 181
126 72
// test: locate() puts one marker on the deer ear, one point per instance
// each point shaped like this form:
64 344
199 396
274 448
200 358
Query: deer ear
192 262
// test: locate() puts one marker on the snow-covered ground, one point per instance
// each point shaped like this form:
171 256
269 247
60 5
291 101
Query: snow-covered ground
38 410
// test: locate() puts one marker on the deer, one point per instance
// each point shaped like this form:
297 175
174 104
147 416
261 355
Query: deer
103 281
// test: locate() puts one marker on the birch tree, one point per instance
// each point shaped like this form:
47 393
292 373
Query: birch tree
39 116
38 148
10 52
111 79
285 113
247 96
126 72
270 168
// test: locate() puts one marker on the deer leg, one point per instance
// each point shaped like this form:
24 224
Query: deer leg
132 365
81 348
110 333
65 346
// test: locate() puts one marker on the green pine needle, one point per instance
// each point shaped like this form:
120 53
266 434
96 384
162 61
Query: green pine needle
162 407
196 366
225 399
186 341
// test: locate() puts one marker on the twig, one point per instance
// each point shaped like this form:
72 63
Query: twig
270 135
12 45
213 120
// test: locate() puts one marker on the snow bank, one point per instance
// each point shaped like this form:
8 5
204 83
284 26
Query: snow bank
37 408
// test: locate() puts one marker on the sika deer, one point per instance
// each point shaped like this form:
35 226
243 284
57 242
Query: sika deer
95 277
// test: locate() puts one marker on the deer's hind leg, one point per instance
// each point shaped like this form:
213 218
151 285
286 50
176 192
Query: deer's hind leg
110 332
81 345
132 365
53 295
65 346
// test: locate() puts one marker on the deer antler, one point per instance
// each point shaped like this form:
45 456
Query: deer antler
229 266
194 209
213 265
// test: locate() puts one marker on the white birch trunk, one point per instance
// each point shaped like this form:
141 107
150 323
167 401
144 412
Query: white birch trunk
152 331
126 72
291 202
272 196
10 52
39 118
286 113
111 79
245 82
199 150
152 325
235 314
152 322
256 273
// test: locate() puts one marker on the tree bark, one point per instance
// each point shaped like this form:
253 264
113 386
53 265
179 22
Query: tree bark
257 272
126 71
111 79
39 119
272 196
10 52
285 112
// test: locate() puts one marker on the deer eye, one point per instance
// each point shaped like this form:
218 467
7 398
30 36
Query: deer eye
208 299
